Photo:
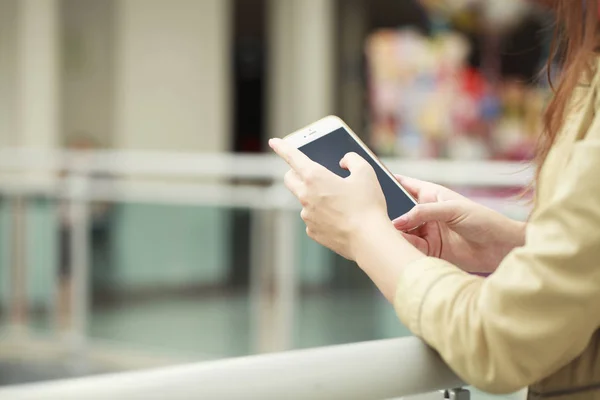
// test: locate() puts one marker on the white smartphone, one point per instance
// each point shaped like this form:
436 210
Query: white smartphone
328 140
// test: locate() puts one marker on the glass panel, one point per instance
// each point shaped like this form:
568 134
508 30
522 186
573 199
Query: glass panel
41 260
337 301
162 282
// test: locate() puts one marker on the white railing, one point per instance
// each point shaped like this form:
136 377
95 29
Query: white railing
228 165
205 179
370 371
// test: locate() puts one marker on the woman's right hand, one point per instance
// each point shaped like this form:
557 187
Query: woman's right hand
449 226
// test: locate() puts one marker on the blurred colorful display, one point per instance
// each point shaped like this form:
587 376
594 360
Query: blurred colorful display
483 15
426 101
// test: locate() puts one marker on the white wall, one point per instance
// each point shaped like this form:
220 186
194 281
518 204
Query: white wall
172 71
301 63
88 69
29 49
148 74
38 105
8 71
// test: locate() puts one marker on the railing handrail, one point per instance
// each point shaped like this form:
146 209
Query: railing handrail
186 193
247 166
370 371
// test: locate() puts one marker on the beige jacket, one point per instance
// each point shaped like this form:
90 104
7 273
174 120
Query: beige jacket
537 318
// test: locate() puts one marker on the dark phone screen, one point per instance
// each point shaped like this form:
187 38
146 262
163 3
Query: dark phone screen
331 148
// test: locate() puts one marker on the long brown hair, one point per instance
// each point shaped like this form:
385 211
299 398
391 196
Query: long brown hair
574 45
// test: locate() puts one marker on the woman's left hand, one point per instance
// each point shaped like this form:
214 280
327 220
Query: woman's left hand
336 210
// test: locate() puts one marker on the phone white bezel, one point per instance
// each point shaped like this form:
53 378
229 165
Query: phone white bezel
330 124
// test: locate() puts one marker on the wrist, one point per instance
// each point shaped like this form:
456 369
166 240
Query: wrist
382 253
512 237
368 227
518 233
377 234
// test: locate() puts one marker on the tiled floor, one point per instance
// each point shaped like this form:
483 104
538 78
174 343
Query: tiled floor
223 326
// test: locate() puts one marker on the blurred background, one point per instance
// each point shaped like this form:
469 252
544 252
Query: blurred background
142 219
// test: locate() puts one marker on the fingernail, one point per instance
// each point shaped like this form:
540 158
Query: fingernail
401 221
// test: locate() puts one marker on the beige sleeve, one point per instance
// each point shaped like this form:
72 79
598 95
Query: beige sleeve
538 311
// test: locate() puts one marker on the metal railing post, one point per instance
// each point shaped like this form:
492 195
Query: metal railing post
457 394
18 288
5 273
78 214
260 282
286 287
273 276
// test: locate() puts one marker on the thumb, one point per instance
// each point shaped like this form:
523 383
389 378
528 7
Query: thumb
354 163
445 212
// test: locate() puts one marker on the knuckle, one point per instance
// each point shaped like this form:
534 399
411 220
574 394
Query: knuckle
310 233
311 176
367 170
288 179
303 198
304 214
364 167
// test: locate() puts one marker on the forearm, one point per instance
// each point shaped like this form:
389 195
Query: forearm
382 252
407 278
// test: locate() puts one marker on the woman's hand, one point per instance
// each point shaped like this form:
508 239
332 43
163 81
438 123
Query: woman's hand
337 211
451 227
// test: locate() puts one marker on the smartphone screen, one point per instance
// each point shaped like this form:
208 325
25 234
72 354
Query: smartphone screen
328 150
